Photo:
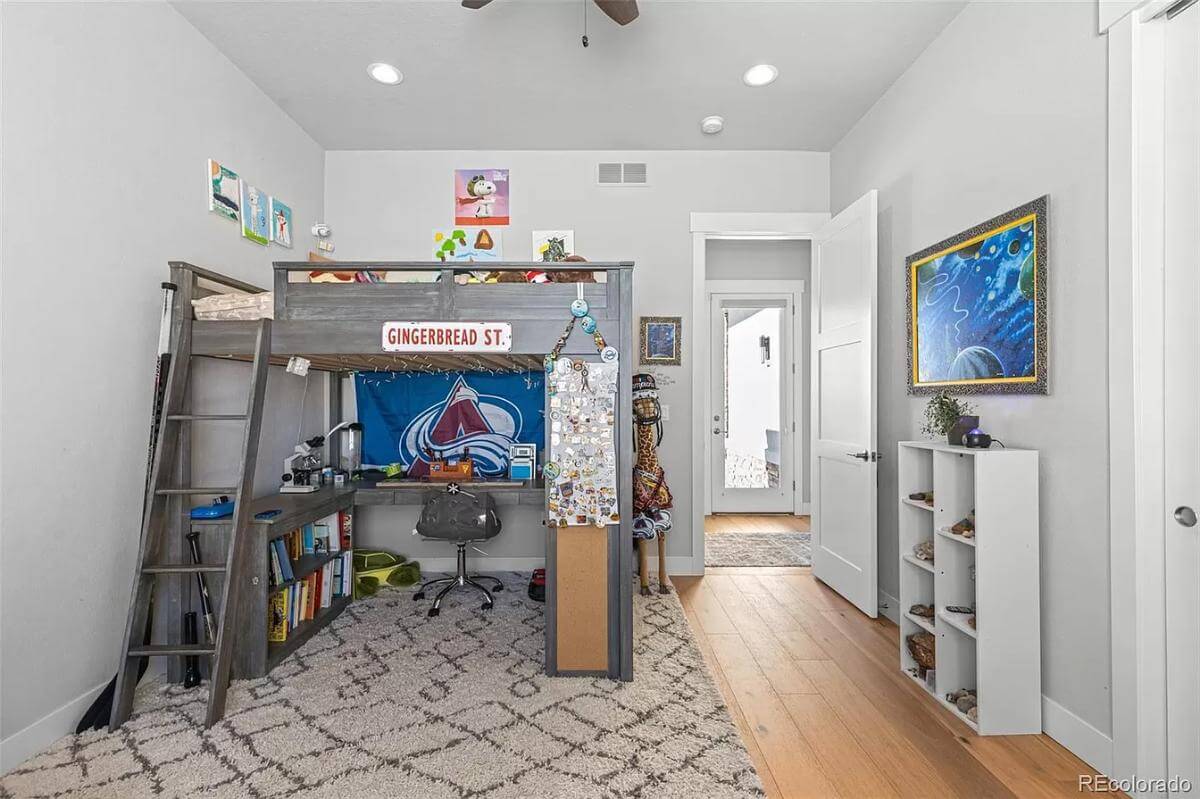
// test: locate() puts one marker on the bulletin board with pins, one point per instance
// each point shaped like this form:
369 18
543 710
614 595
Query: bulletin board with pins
581 469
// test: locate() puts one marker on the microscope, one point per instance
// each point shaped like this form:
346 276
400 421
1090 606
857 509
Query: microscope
302 469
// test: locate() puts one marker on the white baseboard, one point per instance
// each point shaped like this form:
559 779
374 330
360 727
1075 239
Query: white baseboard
1082 739
24 744
803 509
889 607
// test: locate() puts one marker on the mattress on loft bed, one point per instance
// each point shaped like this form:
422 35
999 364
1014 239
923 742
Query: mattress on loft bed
235 307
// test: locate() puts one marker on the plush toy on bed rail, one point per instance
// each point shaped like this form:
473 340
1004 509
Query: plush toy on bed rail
651 496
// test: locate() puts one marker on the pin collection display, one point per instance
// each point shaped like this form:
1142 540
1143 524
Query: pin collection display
581 471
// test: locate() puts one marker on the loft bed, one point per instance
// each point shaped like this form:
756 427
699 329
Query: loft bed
337 327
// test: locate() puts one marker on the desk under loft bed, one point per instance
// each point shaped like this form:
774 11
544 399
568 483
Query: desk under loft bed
337 327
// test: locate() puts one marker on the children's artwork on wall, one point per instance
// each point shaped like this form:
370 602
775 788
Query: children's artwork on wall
481 196
468 244
406 413
553 245
222 190
255 225
977 311
661 340
281 223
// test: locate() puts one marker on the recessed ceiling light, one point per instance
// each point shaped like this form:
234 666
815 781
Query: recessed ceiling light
712 124
385 73
760 75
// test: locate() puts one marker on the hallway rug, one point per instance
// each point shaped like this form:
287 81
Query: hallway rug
388 703
757 549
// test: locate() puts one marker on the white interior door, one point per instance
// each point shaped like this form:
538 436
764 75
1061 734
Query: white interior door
843 428
1182 411
751 397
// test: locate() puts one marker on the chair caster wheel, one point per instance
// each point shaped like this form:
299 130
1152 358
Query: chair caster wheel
433 612
497 589
486 606
417 597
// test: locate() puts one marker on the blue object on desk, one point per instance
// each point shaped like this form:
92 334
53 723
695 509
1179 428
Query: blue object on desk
219 509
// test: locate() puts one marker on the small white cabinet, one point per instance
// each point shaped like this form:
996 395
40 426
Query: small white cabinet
995 572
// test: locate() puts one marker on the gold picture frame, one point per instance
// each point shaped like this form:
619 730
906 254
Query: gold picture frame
661 341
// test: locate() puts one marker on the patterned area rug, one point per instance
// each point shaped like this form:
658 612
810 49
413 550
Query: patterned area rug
388 703
757 549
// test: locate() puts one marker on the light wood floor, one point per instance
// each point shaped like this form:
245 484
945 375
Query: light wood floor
816 690
756 523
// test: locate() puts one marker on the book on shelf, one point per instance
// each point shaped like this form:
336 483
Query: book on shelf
345 523
309 540
277 628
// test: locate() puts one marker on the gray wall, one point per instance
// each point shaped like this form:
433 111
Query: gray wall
385 205
1009 103
745 259
97 196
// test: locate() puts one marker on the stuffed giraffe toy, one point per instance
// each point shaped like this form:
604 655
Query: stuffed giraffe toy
651 496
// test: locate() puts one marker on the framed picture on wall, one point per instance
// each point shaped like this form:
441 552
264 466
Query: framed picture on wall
977 308
662 340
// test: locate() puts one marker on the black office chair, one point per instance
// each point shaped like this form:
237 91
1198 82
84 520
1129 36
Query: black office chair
458 516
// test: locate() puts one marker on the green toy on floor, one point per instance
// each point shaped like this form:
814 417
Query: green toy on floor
375 567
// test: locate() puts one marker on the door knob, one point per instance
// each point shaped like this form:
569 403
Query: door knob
862 456
1185 516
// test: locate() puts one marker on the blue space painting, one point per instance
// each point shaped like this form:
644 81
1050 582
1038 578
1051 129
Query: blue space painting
974 309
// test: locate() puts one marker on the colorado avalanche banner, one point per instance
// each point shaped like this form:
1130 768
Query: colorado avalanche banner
404 414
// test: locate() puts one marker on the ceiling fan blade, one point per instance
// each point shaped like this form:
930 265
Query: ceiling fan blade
475 3
621 12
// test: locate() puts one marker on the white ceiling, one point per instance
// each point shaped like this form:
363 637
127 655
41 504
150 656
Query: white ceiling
513 75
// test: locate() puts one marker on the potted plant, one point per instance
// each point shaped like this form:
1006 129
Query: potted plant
948 416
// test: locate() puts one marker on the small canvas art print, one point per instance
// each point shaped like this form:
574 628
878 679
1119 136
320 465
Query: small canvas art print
481 196
553 245
255 225
281 223
222 190
977 308
661 340
467 244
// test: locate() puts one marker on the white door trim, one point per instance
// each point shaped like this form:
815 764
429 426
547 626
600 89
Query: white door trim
771 226
1136 346
798 403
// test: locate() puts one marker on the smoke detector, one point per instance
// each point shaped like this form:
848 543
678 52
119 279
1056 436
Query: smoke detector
713 124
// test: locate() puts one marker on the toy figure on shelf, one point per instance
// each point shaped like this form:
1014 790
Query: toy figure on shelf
651 496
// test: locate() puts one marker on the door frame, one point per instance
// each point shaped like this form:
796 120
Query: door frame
796 404
765 226
1136 393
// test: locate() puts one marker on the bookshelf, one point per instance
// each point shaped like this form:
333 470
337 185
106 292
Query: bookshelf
996 572
255 655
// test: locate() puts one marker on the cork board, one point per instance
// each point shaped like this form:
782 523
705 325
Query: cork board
582 585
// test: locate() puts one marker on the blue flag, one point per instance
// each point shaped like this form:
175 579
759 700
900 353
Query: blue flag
406 414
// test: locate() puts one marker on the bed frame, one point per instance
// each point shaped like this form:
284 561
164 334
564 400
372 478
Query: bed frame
337 326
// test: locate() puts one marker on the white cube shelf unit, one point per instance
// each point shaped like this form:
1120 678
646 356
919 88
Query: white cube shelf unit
996 572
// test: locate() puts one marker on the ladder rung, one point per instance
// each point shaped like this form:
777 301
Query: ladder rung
207 417
181 568
196 490
171 649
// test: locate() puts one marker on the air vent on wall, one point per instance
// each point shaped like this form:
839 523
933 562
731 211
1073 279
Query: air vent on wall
614 174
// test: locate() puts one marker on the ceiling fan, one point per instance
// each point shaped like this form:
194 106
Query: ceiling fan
621 12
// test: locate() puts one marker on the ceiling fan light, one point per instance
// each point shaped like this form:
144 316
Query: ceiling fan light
385 73
760 75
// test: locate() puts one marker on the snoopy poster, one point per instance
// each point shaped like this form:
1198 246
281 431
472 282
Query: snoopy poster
481 197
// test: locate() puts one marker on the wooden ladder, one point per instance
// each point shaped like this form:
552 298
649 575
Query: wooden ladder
156 521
